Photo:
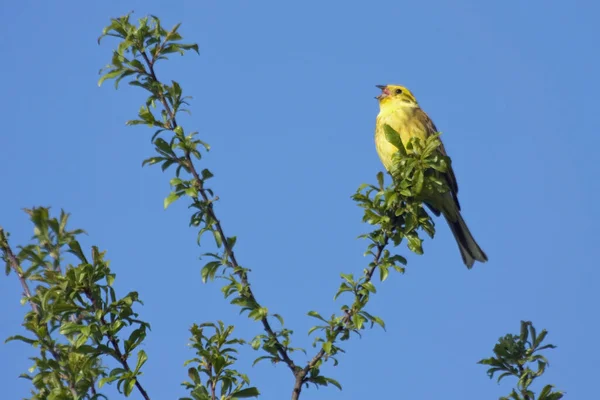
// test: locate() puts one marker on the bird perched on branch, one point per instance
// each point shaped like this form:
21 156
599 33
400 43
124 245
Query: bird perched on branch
399 109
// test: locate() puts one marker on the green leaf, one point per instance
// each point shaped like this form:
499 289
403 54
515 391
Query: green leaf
190 47
21 339
109 75
314 328
334 383
255 343
503 376
173 196
315 314
327 347
210 270
194 376
245 393
380 180
419 179
540 338
264 358
348 278
75 249
383 273
163 146
415 244
129 385
358 321
394 138
191 192
141 360
70 328
206 174
524 330
231 241
218 238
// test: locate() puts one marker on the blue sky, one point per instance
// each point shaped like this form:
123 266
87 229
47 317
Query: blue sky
284 94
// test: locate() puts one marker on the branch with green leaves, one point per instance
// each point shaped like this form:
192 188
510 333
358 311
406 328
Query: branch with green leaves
141 47
397 214
76 319
515 356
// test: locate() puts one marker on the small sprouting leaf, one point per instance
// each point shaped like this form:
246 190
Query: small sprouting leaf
315 314
383 273
194 376
380 180
524 330
255 343
153 160
218 238
109 75
141 360
206 174
129 385
415 244
171 198
540 338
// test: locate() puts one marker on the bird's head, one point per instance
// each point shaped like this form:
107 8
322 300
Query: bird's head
397 95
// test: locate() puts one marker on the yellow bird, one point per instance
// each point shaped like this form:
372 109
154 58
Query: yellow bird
399 109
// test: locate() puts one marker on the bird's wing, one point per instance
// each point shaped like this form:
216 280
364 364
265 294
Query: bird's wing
429 128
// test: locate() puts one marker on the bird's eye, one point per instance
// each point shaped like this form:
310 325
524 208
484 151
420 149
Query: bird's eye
398 91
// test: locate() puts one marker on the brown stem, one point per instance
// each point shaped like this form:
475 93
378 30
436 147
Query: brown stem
199 185
213 387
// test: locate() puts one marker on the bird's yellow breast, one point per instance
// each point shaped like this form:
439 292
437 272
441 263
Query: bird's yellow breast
401 119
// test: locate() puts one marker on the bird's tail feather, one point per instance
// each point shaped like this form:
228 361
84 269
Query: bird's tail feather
469 249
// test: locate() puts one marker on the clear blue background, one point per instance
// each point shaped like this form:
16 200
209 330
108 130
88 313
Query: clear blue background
284 94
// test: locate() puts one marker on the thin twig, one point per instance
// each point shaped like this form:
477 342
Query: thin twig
301 375
115 345
14 264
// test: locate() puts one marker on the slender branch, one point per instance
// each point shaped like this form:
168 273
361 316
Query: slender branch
73 391
213 387
301 375
199 185
14 264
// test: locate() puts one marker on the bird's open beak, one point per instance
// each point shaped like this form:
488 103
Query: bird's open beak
384 92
